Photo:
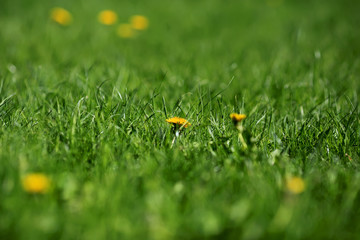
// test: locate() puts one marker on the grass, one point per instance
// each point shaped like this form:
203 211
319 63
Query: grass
87 109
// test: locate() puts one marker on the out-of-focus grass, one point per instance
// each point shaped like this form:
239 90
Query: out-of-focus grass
87 109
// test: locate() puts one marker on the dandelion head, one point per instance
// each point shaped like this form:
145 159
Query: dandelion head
139 22
125 31
61 16
36 183
107 17
236 118
178 122
295 185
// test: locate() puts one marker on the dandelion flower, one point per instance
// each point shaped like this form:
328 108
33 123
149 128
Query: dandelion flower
61 16
178 122
295 185
139 22
236 118
36 183
125 31
107 17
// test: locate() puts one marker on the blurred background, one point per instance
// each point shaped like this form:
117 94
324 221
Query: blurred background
192 43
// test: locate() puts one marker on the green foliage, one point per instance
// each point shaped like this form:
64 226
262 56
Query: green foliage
88 108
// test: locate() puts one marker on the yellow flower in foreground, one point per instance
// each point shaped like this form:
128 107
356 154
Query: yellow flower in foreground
61 16
295 185
36 183
139 22
125 31
235 117
107 17
176 121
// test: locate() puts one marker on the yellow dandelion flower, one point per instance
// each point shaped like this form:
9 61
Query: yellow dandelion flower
295 185
139 22
107 17
236 118
125 31
61 16
176 121
36 183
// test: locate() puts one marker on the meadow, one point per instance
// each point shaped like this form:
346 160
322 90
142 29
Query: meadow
86 152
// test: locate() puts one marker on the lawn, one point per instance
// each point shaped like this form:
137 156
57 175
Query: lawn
86 151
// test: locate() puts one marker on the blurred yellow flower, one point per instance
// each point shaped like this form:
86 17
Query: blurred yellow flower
295 185
61 16
125 31
179 122
139 22
236 118
107 17
36 183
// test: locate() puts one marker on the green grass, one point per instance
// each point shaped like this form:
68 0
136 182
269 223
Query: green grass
88 109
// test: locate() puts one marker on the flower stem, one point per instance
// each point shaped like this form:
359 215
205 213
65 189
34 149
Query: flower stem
240 128
177 134
242 140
